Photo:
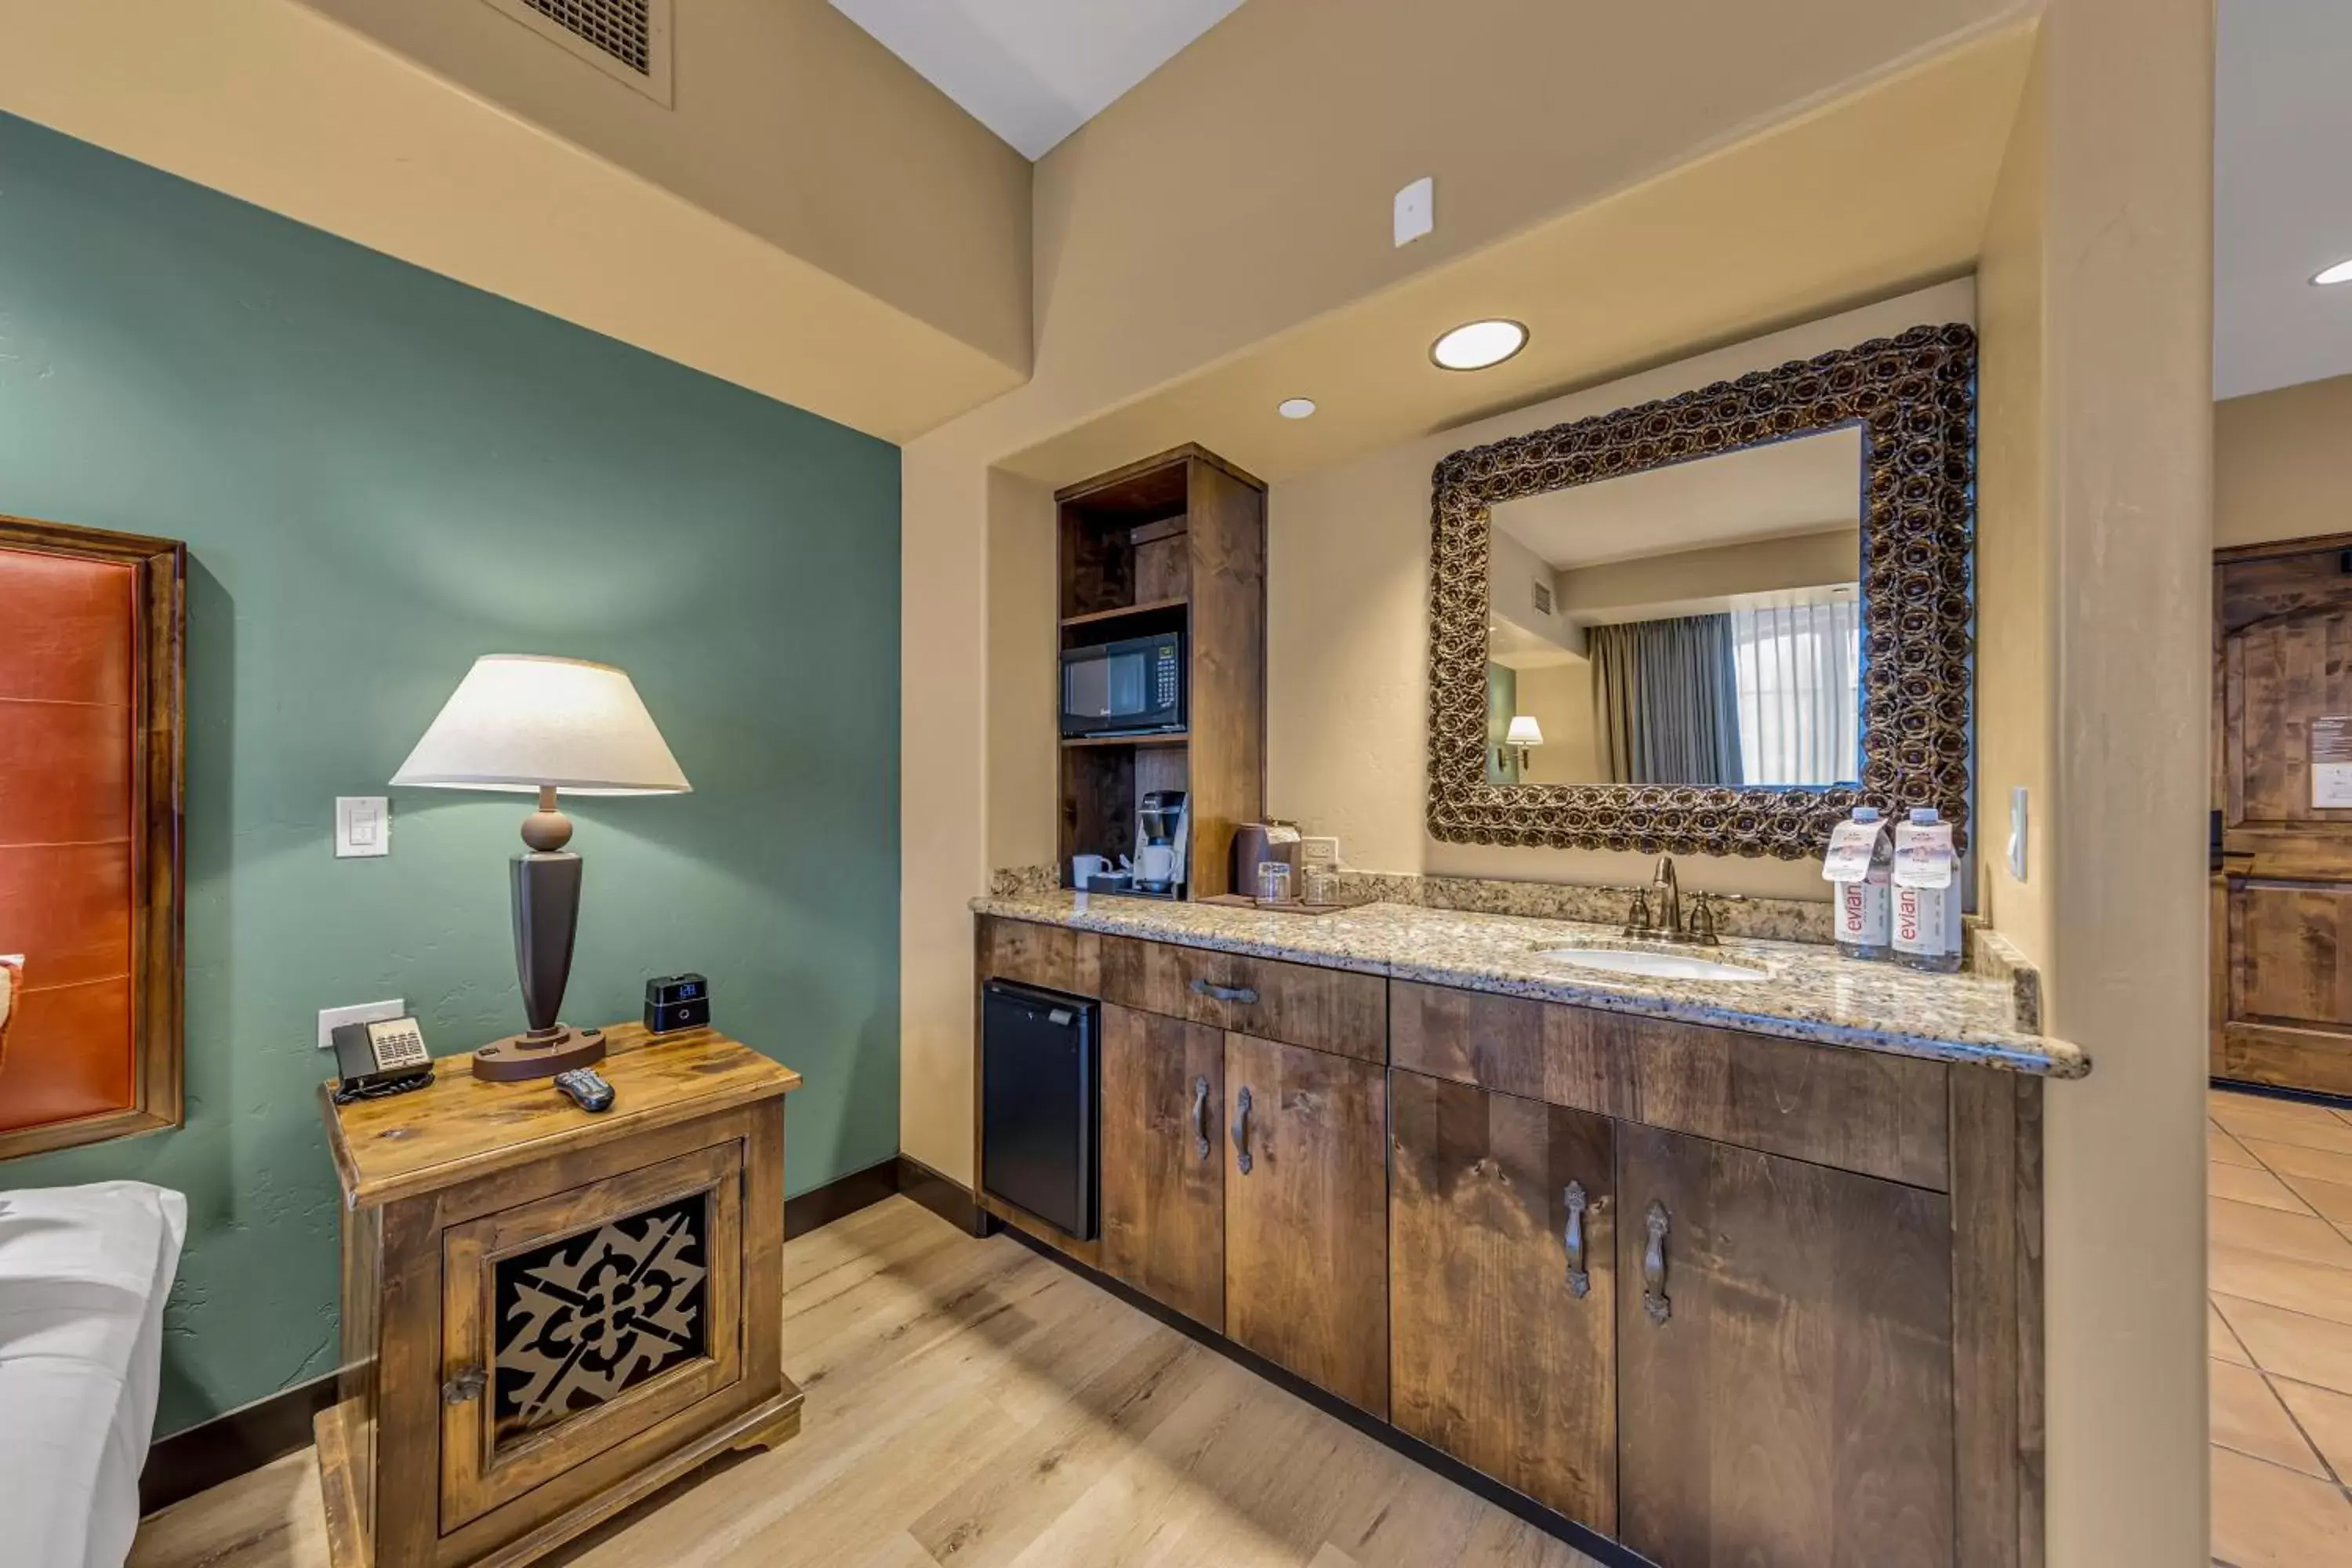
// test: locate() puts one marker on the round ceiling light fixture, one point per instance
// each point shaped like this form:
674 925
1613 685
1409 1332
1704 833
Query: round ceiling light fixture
1295 407
2340 273
1476 345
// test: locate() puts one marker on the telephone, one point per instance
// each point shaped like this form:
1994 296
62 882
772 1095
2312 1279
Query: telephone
383 1057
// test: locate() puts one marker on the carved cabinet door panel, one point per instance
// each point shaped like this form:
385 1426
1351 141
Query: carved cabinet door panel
1784 1360
1307 1215
1163 1169
1502 1289
575 1323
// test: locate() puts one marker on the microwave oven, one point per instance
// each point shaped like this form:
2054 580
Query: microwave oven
1130 688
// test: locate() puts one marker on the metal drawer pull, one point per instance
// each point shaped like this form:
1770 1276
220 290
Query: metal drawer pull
467 1385
1579 1279
1654 1268
1224 993
1241 1131
1200 1117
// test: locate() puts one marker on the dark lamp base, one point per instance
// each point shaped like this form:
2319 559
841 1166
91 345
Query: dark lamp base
538 1054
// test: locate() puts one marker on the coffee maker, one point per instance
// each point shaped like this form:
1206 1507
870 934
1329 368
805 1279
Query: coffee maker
1162 826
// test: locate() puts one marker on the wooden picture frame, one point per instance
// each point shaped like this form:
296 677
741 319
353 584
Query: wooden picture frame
1914 398
156 781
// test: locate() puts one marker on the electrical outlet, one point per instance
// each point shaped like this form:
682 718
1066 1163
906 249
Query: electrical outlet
2017 861
333 1018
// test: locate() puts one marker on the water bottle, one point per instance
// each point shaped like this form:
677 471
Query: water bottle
1860 866
1926 895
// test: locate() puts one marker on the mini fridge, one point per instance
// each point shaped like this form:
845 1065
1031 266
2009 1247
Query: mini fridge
1040 1105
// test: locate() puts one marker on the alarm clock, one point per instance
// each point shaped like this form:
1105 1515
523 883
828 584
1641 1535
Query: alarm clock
675 1001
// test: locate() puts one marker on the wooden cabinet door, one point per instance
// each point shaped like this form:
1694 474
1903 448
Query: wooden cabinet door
582 1320
1502 1291
1784 1360
1163 1172
1307 1215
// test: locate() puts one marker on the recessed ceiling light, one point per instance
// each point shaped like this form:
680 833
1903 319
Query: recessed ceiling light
2340 273
1474 345
1295 407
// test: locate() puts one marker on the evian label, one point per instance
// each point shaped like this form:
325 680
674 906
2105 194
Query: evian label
1922 919
1861 910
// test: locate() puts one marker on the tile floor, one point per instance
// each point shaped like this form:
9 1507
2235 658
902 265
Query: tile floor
2279 1329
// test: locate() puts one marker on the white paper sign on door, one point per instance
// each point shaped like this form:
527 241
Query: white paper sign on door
2331 763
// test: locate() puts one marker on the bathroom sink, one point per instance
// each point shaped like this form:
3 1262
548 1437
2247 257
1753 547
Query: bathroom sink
1659 966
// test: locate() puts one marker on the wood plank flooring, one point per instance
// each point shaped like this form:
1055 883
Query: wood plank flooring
972 1404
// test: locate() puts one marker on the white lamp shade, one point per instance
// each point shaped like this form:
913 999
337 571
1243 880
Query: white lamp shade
521 721
1524 731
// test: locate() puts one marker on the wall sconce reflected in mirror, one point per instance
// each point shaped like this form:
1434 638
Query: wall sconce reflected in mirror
1524 735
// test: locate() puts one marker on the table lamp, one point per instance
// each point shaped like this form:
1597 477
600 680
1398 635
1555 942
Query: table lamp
520 722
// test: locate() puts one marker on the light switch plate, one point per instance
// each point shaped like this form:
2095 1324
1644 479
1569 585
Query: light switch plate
362 826
333 1018
1416 210
2017 833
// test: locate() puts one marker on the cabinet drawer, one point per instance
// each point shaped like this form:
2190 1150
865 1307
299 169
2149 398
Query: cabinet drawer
1862 1110
1054 957
1333 1010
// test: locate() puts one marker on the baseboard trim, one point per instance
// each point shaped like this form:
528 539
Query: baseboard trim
943 1196
2280 1091
838 1198
1591 1542
202 1457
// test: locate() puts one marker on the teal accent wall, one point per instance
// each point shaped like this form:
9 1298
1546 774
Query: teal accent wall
381 474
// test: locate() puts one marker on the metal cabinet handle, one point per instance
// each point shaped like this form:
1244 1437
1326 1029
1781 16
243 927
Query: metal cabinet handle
1224 993
1654 1266
467 1384
1200 1117
1579 1279
1241 1131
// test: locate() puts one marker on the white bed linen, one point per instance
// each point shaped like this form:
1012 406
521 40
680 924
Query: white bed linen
83 1275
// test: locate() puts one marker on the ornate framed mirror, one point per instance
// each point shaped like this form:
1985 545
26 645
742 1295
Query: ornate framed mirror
1744 611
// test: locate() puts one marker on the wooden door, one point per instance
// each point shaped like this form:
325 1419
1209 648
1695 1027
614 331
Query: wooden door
1502 1291
1163 1173
2283 799
1307 1215
1784 1360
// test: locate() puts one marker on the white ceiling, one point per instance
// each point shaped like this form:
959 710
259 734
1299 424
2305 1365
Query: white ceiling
1034 70
2282 193
1760 492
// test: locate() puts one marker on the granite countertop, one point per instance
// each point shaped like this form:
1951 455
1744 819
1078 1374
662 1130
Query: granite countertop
1808 992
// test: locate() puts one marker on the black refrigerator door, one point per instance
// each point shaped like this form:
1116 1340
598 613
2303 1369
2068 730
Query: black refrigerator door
1038 1106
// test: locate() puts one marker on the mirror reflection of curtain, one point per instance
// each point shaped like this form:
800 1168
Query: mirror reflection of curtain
1666 694
1502 701
1800 689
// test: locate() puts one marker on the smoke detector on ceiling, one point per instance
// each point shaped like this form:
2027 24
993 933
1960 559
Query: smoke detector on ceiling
628 41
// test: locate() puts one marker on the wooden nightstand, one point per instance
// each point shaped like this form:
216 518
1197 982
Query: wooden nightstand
550 1314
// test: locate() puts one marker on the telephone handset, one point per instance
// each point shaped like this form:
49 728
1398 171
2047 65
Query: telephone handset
387 1056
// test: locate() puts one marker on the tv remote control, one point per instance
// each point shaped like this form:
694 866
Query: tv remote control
585 1087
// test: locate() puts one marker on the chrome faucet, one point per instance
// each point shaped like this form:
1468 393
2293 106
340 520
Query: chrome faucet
1667 897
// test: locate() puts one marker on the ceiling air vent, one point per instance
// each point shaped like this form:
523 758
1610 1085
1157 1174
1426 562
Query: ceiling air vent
625 39
1543 597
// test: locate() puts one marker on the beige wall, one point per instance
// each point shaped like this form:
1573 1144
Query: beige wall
2127 348
1198 180
1560 697
790 122
2282 464
1653 585
2016 536
1348 631
273 102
